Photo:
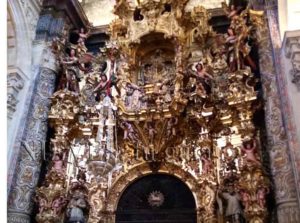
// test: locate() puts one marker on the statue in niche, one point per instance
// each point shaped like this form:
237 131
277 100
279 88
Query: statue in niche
233 211
70 77
132 95
58 163
229 157
164 91
151 132
206 163
157 68
76 208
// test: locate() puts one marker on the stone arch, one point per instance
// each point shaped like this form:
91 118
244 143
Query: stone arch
23 36
21 21
172 200
142 170
11 38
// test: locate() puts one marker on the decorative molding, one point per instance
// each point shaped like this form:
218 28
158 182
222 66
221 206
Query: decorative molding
15 84
17 218
292 52
30 157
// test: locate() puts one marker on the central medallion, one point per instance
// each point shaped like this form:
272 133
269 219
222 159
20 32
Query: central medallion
156 199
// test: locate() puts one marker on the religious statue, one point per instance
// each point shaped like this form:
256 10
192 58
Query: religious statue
129 132
229 156
83 36
171 130
76 208
206 163
233 212
151 133
203 77
71 73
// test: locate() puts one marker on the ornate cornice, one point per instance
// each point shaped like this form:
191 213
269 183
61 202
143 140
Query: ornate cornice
291 47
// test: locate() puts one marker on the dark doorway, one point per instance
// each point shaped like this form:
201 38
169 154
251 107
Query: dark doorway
157 198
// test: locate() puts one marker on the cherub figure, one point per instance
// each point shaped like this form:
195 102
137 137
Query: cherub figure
42 204
57 205
202 77
201 71
261 196
249 148
58 163
83 37
245 197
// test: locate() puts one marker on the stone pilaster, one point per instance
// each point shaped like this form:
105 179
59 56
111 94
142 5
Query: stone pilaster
290 92
280 160
29 146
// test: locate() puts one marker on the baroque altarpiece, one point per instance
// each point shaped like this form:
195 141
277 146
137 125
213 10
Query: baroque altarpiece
166 95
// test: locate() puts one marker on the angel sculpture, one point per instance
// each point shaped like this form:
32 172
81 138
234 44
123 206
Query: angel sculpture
70 77
261 196
202 77
58 204
249 148
81 40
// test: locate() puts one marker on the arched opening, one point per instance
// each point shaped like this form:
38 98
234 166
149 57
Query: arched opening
156 198
155 58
